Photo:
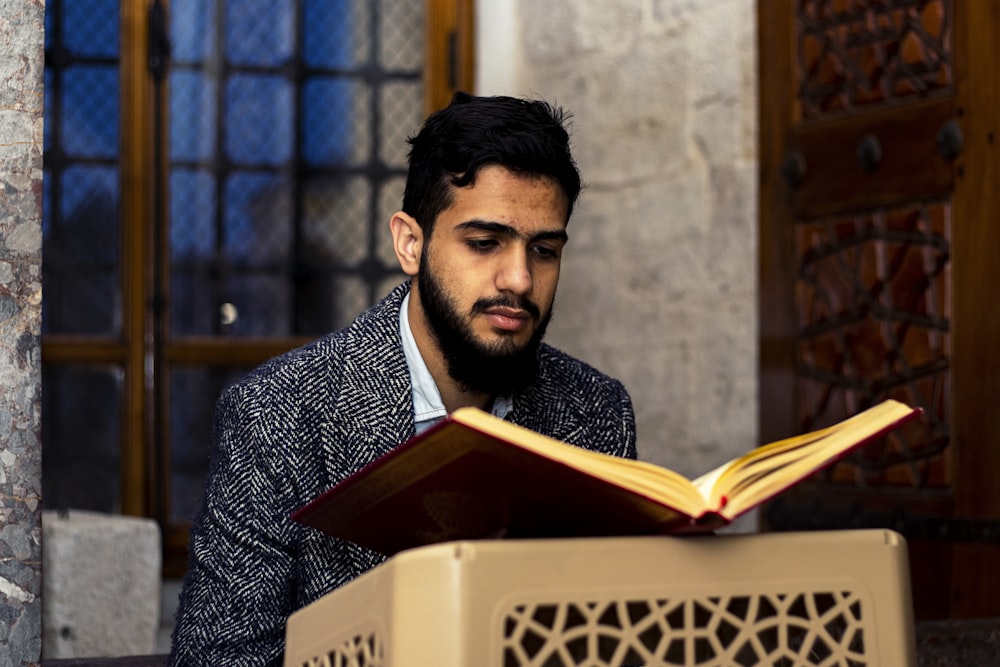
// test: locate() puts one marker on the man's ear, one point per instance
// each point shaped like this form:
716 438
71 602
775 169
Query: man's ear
407 241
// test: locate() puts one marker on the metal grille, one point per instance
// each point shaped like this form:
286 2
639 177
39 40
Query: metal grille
287 133
287 155
81 222
81 228
864 53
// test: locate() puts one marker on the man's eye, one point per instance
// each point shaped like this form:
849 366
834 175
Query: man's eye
546 251
481 245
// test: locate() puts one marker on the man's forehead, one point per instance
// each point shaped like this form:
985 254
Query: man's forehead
502 196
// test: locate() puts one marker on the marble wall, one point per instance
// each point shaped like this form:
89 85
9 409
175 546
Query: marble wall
659 279
21 96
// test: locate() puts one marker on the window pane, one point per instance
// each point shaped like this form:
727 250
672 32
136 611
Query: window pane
81 419
91 28
401 113
335 229
337 126
334 33
194 300
192 114
260 32
192 30
90 119
259 119
401 34
258 221
192 208
81 276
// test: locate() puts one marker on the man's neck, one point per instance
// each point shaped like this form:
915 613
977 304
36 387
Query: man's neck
454 397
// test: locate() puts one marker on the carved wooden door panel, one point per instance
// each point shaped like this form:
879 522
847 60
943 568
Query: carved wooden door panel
879 258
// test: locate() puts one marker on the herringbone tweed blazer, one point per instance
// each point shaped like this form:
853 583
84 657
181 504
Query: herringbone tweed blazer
297 426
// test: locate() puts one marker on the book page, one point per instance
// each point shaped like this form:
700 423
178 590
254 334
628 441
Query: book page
764 472
774 456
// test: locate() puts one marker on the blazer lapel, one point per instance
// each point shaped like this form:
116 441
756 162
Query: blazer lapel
541 407
373 410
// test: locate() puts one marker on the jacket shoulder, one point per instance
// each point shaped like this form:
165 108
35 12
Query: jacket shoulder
574 402
559 370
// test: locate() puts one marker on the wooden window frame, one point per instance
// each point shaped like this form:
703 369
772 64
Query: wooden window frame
144 468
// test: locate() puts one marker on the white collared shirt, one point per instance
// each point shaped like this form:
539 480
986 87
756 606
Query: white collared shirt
428 408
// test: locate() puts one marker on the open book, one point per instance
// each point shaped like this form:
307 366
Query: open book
476 476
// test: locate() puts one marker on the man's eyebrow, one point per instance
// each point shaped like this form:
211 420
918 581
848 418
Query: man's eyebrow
509 231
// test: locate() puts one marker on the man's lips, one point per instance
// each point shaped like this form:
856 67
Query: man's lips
508 319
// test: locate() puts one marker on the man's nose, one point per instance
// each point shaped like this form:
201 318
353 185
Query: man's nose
514 274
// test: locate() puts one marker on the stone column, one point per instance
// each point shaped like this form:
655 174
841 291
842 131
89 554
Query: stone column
21 107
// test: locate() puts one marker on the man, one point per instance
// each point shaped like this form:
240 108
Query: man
489 192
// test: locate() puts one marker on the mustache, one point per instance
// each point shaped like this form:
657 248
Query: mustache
507 301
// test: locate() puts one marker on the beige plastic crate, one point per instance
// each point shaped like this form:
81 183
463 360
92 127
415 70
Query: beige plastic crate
823 598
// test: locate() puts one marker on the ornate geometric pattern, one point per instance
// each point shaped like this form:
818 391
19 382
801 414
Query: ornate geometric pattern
802 628
860 53
872 299
358 650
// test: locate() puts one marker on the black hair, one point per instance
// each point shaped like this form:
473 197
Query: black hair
528 137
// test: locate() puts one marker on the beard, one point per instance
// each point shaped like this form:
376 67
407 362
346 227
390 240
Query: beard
498 369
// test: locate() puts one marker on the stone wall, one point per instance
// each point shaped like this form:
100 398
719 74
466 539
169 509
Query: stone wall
21 95
659 278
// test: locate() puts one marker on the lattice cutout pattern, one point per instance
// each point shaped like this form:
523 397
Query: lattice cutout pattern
860 53
801 628
360 650
872 298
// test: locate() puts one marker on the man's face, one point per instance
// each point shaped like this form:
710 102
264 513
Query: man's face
488 277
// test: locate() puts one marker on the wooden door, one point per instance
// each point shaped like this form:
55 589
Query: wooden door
879 258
